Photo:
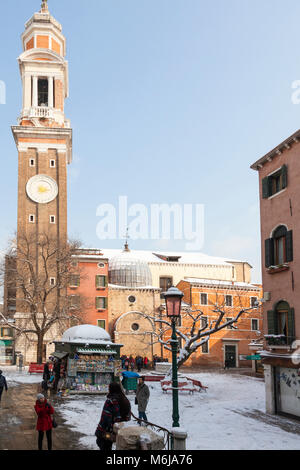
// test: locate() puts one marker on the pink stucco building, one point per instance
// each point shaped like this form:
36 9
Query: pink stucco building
279 183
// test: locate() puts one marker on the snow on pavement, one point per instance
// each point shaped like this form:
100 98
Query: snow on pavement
14 377
212 419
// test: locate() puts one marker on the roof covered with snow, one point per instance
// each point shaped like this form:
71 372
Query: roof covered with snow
86 334
163 257
215 282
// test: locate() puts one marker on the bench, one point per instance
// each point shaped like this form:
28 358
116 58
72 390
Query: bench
153 378
35 368
197 383
182 386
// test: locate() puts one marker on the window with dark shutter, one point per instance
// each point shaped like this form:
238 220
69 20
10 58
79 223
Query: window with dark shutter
274 183
281 325
269 252
265 188
279 248
284 176
289 246
272 322
291 325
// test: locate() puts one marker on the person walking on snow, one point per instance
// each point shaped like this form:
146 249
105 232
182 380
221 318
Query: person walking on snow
116 409
132 363
139 363
44 422
142 397
3 384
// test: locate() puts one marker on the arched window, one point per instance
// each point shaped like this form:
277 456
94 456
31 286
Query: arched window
279 248
279 237
281 324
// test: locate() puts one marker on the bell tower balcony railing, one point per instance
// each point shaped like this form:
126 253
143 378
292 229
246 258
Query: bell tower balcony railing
45 112
41 112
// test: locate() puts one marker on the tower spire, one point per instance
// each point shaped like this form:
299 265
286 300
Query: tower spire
126 246
44 7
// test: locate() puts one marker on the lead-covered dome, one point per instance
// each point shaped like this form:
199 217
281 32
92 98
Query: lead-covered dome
88 334
128 271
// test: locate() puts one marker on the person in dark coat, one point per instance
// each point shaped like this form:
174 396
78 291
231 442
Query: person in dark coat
139 363
3 384
116 409
46 377
142 396
44 422
132 363
123 358
56 370
46 373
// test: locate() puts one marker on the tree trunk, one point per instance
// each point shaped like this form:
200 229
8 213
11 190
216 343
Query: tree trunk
40 344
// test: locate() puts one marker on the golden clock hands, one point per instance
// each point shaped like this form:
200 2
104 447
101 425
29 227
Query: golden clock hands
43 189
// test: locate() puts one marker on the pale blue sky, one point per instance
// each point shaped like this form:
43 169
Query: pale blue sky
187 91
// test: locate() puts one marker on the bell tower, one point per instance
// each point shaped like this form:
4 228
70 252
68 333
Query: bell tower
43 135
43 138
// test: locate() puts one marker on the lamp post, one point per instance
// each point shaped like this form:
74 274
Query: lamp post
173 299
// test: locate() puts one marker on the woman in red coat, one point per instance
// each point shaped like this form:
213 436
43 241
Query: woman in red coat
44 423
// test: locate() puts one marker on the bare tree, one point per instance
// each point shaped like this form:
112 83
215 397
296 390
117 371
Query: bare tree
36 280
195 329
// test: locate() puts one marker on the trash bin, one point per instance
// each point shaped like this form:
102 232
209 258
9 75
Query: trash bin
129 381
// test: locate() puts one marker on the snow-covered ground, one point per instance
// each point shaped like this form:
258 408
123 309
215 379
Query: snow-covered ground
213 420
15 377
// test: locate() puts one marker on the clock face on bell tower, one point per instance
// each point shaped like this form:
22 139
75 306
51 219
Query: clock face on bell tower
43 135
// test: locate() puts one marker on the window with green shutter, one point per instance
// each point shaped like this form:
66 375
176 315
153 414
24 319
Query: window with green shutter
101 323
101 282
101 303
74 280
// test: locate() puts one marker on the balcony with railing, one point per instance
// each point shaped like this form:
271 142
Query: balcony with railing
41 112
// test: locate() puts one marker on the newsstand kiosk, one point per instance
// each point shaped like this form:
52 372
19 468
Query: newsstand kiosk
91 360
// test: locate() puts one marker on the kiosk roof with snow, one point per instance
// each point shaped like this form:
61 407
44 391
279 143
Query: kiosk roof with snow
83 334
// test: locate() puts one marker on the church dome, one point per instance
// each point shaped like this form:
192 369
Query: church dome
128 271
90 334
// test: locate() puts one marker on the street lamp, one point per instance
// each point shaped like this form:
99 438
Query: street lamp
173 299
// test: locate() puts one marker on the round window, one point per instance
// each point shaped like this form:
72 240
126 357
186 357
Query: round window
131 299
135 326
101 265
